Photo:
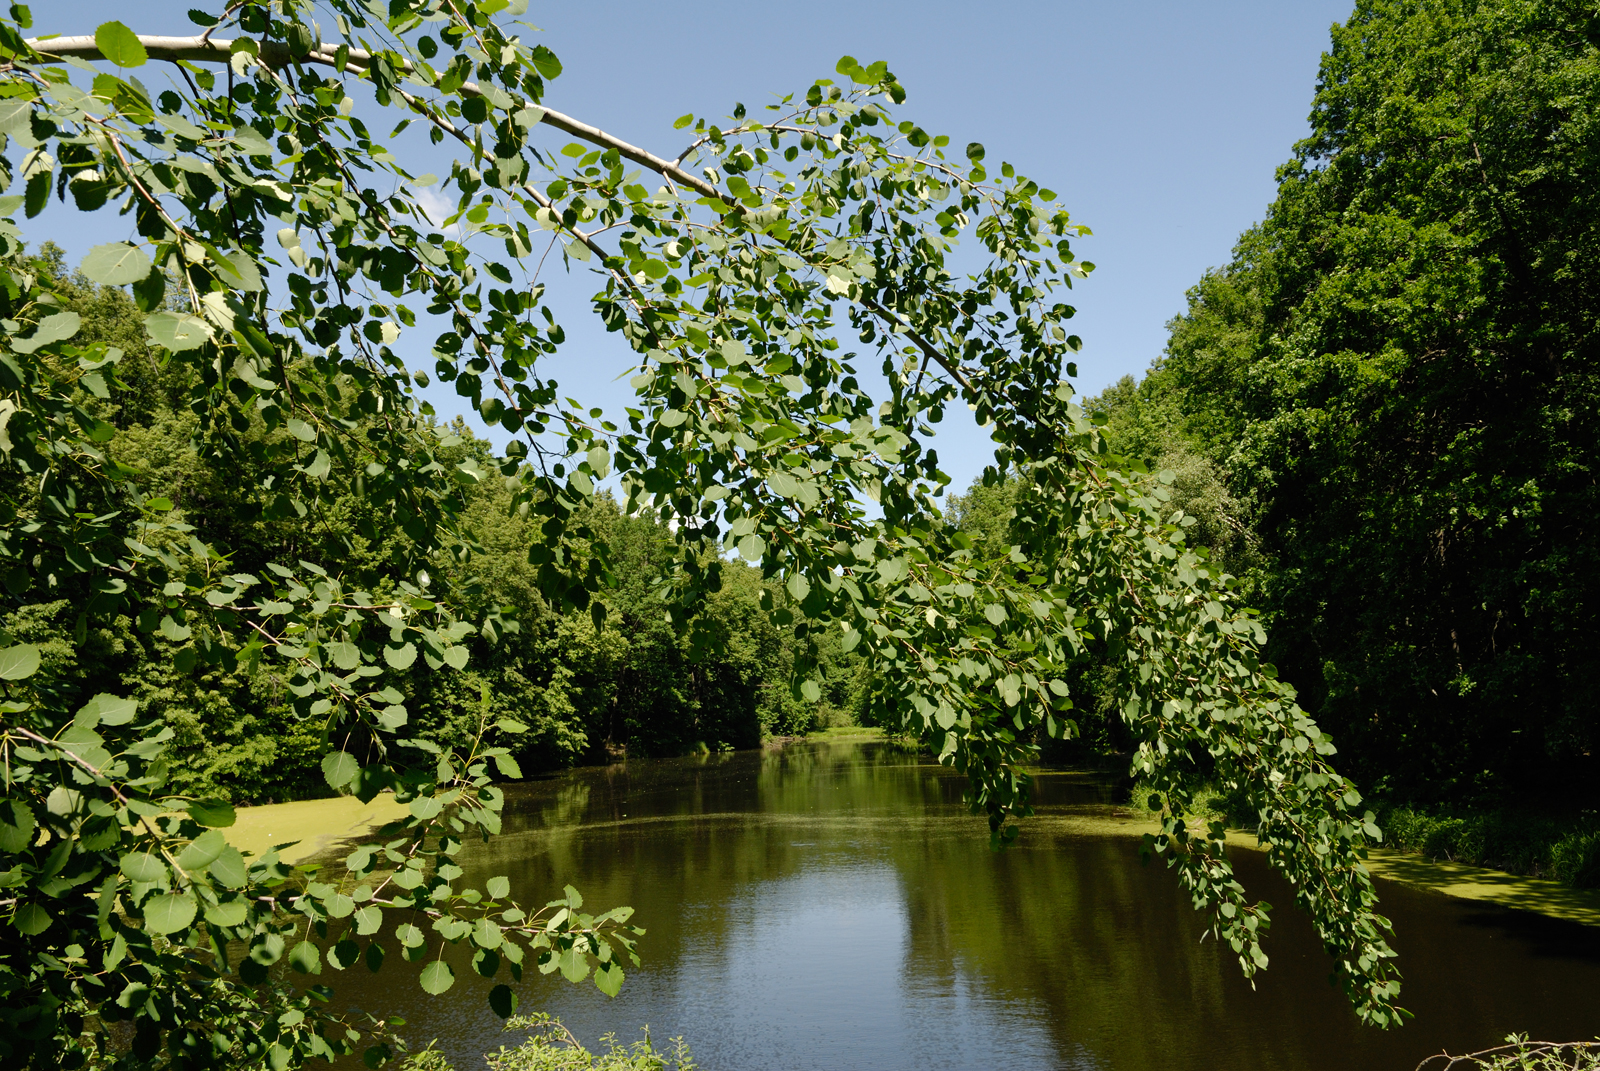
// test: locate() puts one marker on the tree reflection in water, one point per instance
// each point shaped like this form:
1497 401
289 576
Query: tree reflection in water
833 905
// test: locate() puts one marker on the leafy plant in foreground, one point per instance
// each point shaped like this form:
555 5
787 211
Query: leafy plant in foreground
1521 1054
301 256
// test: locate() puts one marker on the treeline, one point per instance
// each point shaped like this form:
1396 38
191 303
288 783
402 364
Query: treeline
638 684
1385 412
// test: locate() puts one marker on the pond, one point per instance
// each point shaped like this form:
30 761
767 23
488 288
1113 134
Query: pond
833 905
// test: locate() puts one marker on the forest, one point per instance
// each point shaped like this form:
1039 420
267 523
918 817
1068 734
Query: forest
1384 410
638 686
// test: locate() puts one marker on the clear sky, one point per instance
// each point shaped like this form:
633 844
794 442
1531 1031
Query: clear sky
1159 122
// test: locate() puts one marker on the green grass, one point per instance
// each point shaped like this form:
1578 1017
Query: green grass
1563 848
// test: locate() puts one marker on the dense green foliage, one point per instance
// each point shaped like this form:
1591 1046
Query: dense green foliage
137 934
1397 380
635 686
1564 848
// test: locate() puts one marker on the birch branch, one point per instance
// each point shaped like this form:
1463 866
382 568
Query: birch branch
199 49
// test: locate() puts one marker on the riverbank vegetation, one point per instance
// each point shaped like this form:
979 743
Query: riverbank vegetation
1382 414
550 1046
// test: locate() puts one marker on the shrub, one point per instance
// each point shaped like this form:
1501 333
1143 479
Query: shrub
552 1047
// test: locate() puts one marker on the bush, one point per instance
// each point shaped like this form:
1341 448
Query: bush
552 1047
1575 860
1566 849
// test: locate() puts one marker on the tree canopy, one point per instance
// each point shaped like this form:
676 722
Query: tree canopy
298 255
1397 373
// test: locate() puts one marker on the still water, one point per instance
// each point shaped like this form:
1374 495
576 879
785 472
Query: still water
834 906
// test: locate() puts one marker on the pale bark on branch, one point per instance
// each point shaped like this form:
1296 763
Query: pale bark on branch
198 49
275 54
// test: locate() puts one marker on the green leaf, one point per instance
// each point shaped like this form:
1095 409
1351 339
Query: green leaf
228 913
267 949
344 954
799 587
15 117
608 978
57 327
19 661
485 934
116 264
503 1001
143 866
202 851
339 767
456 657
168 912
574 967
401 656
436 977
247 276
498 888
16 825
346 656
106 709
31 919
229 869
305 958
120 45
216 813
177 332
508 767
369 920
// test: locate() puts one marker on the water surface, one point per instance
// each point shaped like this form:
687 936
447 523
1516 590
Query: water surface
834 906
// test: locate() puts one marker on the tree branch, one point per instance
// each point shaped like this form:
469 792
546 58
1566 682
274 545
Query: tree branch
199 49
276 54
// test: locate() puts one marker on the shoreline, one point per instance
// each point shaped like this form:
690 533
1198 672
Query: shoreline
312 827
1459 880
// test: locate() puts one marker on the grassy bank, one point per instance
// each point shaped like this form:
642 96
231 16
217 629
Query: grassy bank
1560 848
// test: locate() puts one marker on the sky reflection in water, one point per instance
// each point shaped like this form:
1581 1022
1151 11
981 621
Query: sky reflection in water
833 906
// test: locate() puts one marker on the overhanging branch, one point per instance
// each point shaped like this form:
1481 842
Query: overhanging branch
198 49
276 54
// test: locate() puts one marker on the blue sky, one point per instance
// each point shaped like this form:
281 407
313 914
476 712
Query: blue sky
1159 123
